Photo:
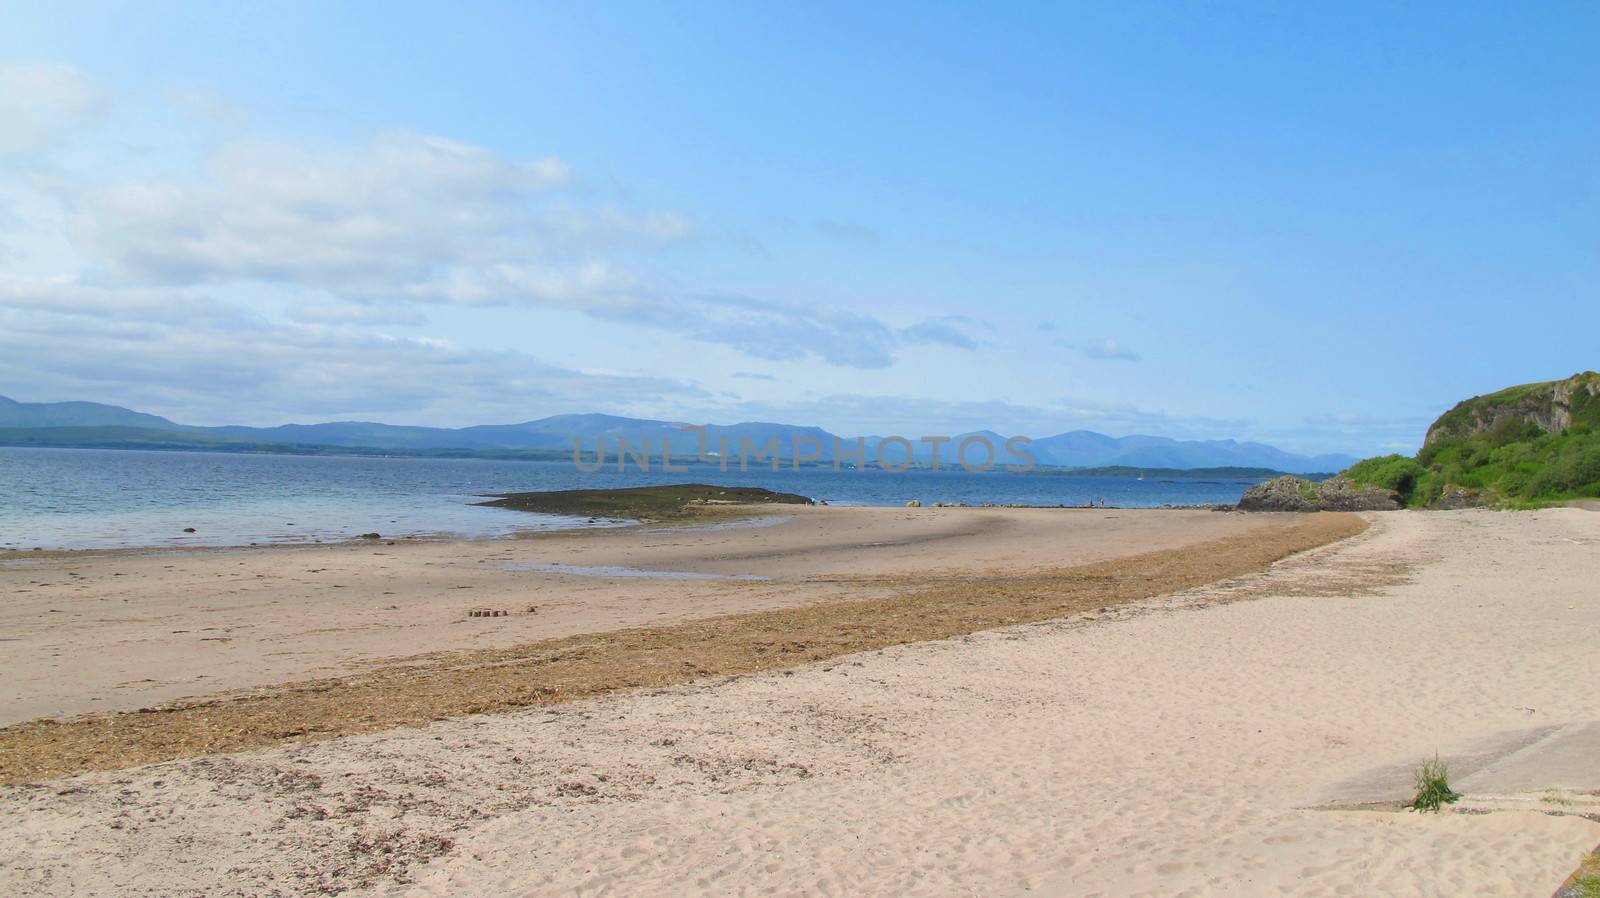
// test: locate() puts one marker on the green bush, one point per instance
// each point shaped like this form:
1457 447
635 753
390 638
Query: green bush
1511 430
1585 409
1430 487
1391 472
1432 451
1515 483
1453 474
1433 787
1571 472
1511 454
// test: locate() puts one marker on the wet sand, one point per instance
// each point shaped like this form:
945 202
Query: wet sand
104 631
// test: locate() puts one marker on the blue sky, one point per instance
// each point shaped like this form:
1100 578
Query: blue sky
1317 226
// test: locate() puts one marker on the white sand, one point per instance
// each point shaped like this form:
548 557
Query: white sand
1165 750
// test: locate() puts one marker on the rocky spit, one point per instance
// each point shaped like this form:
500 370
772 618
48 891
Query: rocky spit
1289 493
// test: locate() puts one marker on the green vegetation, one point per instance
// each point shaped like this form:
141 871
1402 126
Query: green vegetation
1308 490
1526 446
1586 882
1391 472
678 502
1433 787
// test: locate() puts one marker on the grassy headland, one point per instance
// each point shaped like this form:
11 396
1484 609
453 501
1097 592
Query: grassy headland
1525 446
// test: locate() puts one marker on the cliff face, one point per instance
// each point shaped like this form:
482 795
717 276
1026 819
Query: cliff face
1549 406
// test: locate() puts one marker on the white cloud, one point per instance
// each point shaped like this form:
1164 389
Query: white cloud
407 218
780 332
362 220
209 107
206 361
355 313
593 286
1376 433
949 330
846 232
42 104
358 235
1109 350
865 414
64 297
211 362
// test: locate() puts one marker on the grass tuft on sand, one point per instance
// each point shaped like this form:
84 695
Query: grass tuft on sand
1584 881
1588 881
1433 787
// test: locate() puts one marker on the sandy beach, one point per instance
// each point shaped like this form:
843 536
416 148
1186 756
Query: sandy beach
640 450
104 631
1238 737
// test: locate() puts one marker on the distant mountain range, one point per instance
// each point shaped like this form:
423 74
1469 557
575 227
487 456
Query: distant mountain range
95 424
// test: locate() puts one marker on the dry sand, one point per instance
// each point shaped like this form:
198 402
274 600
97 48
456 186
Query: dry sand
1174 747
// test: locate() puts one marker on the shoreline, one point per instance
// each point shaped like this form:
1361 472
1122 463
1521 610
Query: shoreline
150 626
66 505
733 515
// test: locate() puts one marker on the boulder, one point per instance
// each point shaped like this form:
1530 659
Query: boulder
914 503
1334 494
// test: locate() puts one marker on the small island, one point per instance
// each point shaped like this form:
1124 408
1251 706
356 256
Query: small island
673 502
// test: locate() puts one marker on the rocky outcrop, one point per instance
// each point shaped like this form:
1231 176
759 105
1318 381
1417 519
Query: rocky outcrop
1548 406
1452 497
1334 494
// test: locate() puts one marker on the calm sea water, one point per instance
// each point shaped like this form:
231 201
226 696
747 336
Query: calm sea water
105 498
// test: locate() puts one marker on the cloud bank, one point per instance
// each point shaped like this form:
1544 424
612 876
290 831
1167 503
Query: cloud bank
292 277
43 104
407 219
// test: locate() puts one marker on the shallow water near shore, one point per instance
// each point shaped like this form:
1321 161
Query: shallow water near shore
107 498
